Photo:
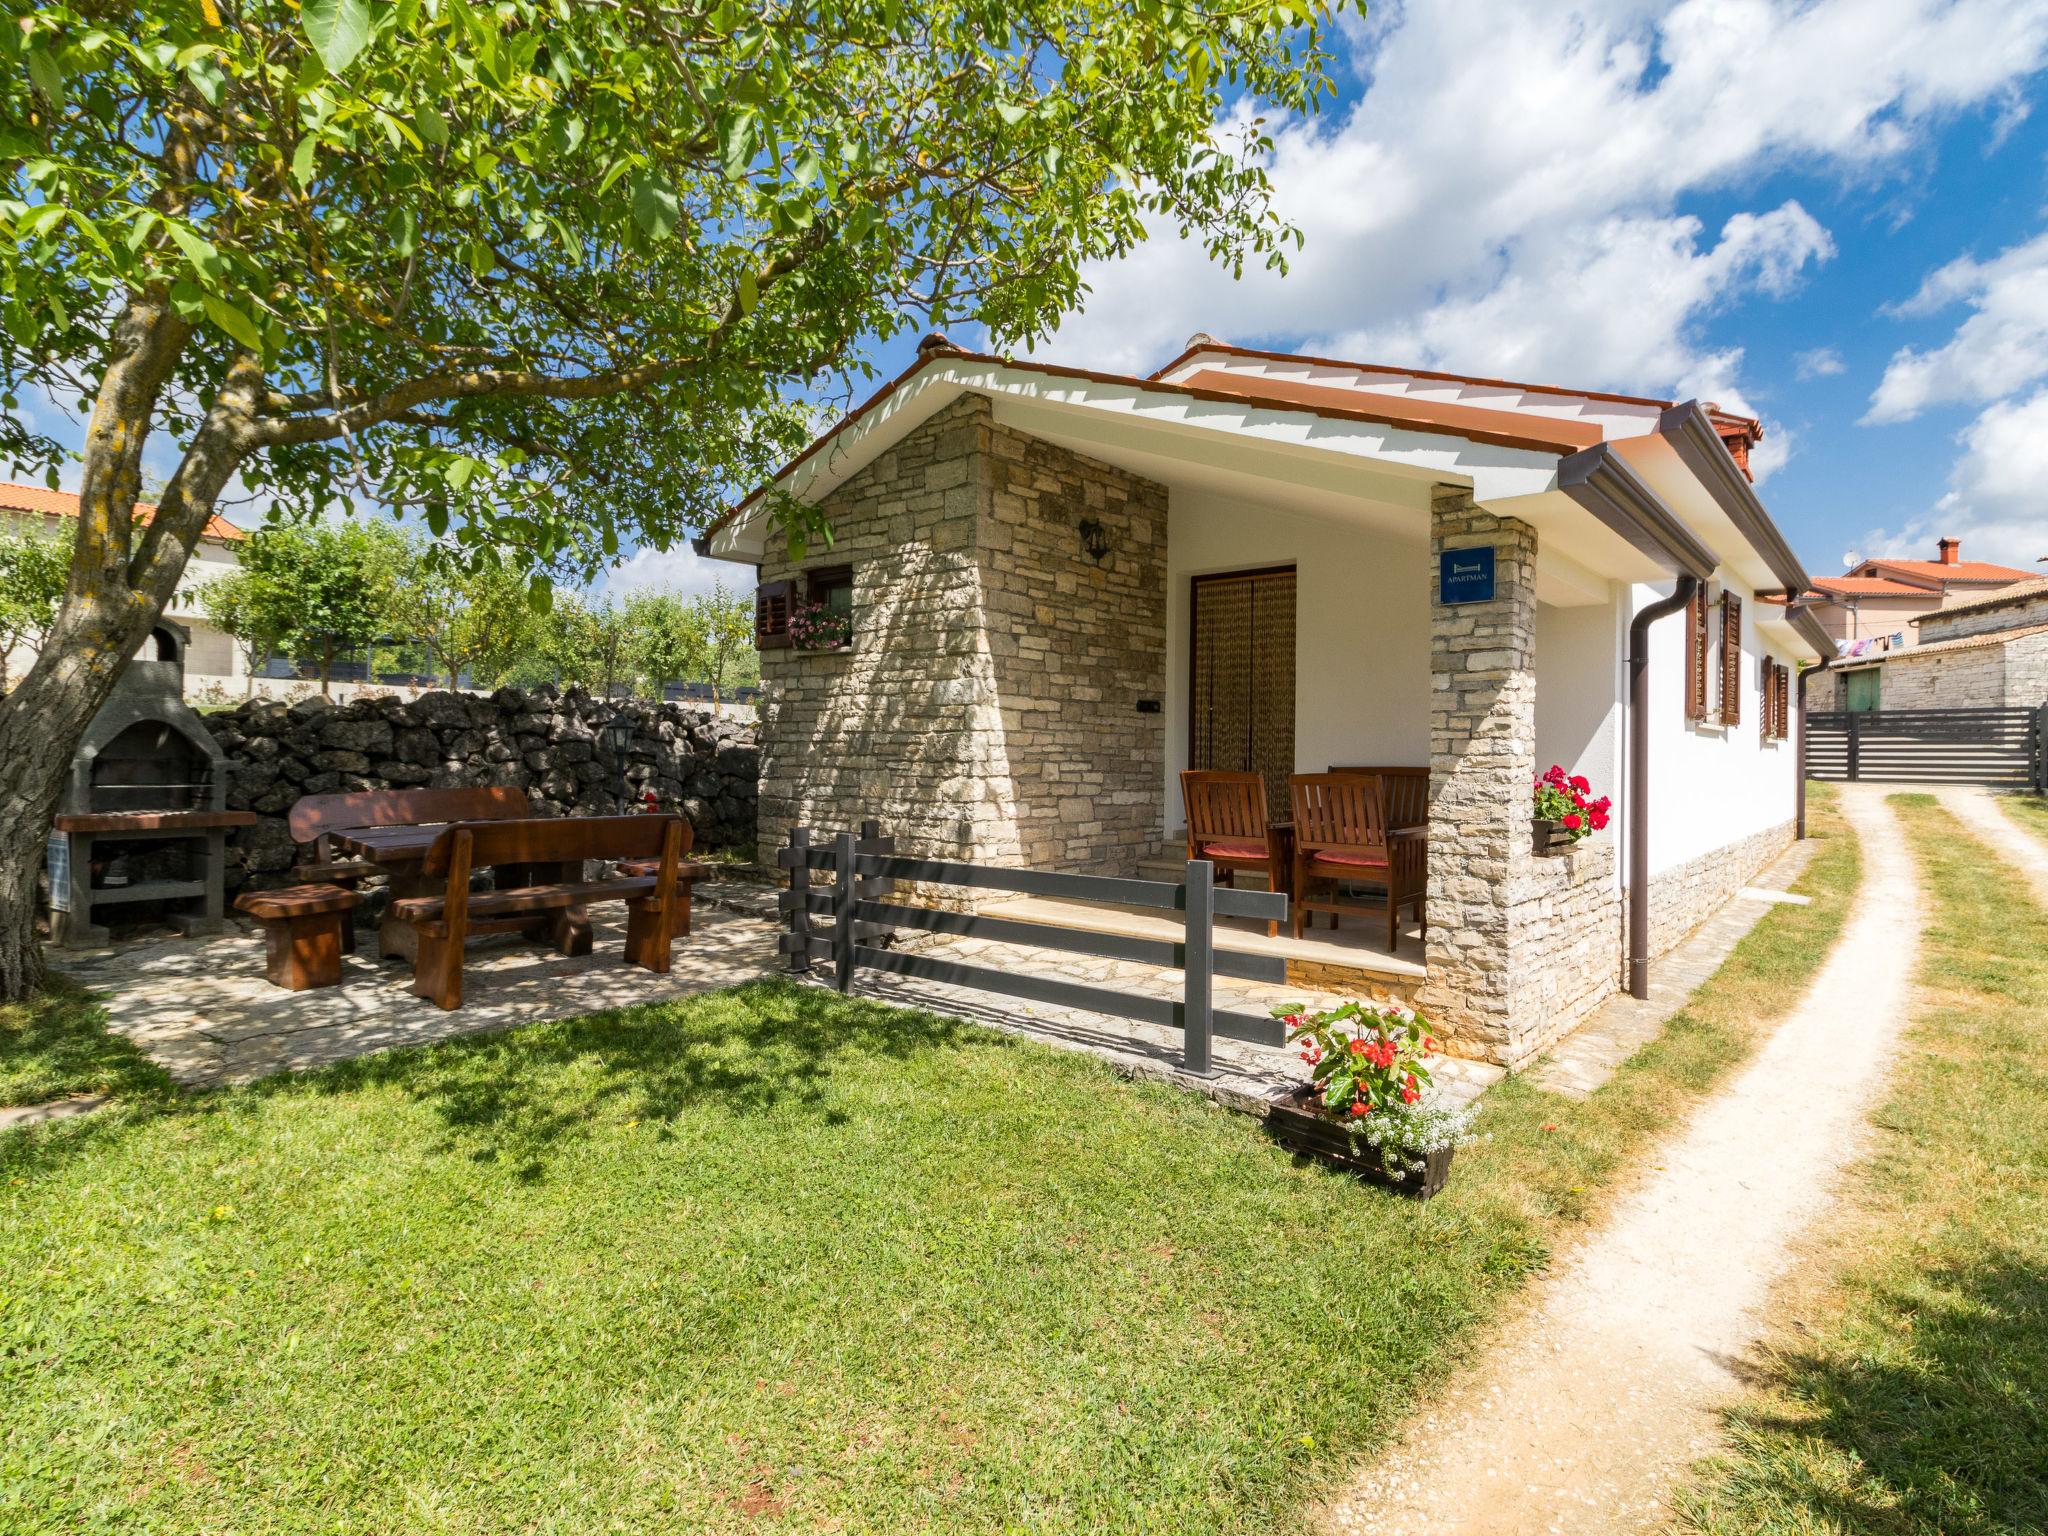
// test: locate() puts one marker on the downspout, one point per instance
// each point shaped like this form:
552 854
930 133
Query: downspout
1639 779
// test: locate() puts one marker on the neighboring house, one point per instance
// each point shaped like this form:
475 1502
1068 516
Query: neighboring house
1879 600
1989 652
211 653
1066 586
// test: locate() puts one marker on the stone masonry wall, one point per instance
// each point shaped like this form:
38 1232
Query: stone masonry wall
1076 644
550 744
2026 672
1519 948
1967 679
1983 621
1683 897
987 708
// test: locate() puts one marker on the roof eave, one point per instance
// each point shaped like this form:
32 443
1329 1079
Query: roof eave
1601 482
1699 447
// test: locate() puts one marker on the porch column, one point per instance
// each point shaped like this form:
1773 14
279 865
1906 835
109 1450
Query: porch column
1482 747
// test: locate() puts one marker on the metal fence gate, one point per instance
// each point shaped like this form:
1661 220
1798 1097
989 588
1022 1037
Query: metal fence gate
1999 748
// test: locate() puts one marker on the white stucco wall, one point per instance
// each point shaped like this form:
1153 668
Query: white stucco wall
1711 785
1579 692
1361 666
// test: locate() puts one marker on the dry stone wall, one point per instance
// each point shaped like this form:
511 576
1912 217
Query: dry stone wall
550 744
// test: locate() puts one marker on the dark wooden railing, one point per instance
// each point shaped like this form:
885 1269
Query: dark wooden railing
846 924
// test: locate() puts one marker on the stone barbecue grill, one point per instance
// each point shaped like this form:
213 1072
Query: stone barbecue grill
145 817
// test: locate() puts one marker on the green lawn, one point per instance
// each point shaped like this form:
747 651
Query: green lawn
2030 811
763 1260
59 1045
1907 1393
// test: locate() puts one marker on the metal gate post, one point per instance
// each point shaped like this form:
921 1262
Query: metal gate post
800 899
844 893
1855 744
2041 750
1198 968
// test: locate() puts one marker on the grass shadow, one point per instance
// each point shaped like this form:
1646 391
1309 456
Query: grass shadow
58 1044
514 1097
1918 1436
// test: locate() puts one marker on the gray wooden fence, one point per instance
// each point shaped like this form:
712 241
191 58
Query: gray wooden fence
846 923
2000 748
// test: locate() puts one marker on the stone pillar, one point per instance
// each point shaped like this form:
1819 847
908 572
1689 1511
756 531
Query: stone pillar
1482 746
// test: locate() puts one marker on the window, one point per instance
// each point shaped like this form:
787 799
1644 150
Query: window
1731 657
831 589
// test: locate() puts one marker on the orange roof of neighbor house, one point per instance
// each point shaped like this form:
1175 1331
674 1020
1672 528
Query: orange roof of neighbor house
1960 570
1867 586
48 503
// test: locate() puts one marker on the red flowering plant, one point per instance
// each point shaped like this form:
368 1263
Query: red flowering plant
1564 799
1368 1065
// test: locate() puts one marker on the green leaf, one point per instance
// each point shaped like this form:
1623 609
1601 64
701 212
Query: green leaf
432 125
655 206
47 75
199 250
233 321
302 160
337 29
750 290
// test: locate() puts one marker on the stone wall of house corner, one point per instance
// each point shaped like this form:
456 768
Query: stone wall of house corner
1567 946
2026 672
905 726
1075 644
1983 621
1686 895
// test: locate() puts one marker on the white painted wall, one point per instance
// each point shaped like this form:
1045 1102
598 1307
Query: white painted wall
1361 664
1711 785
1579 693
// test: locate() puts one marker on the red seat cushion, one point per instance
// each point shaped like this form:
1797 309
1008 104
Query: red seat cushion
1350 860
1234 850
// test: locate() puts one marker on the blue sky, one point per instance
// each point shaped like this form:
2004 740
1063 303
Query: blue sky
1734 200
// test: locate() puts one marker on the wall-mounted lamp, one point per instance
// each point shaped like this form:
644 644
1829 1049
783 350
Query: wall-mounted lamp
1094 539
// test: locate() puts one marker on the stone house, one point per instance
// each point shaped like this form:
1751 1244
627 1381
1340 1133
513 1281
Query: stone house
1989 652
1064 587
1879 600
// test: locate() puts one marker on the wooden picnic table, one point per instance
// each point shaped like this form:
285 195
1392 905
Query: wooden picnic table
402 852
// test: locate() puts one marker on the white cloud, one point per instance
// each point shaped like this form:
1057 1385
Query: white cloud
2000 348
1503 198
1997 500
1820 363
681 570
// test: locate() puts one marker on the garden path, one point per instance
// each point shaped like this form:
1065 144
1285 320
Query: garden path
1598 1395
1978 809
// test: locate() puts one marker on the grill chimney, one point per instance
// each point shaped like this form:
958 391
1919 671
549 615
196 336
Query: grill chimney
1951 550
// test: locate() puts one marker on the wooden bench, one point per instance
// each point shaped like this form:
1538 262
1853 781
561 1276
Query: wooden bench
316 817
301 932
442 923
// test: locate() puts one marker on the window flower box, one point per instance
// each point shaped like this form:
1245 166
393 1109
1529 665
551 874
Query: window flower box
1564 811
818 627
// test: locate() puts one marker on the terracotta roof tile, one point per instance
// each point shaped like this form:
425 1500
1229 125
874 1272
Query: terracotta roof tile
49 503
1867 586
1962 570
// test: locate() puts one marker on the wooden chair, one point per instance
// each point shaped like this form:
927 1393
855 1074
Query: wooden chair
1340 834
444 922
1404 791
315 817
1227 826
301 932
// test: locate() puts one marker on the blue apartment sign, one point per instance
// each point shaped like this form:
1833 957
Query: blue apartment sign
1465 576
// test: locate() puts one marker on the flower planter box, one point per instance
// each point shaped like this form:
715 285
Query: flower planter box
1300 1126
1551 838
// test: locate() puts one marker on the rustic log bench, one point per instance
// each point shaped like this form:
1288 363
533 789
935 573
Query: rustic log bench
443 922
316 818
301 932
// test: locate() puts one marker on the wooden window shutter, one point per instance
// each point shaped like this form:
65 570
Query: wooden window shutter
1731 658
1784 702
771 615
1696 656
1767 680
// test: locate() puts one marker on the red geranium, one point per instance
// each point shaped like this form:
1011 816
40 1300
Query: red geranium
1563 799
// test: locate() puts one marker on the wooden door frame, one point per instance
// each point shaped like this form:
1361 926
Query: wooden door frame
1194 586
